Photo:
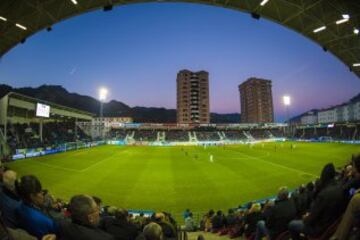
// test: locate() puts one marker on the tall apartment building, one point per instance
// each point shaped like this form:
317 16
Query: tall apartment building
192 97
256 101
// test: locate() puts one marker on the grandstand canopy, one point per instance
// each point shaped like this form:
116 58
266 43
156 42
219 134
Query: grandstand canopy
19 19
16 107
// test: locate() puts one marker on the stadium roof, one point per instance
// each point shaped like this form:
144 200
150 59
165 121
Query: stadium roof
71 112
333 24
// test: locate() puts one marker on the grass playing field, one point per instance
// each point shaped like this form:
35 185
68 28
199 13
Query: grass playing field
175 178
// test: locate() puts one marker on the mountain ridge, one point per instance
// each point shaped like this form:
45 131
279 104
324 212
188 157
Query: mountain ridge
114 108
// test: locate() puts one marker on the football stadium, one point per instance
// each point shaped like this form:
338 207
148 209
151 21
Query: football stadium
85 167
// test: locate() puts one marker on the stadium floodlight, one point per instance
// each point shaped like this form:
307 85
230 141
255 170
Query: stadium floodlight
103 94
2 18
356 65
342 21
21 26
263 2
356 31
286 100
319 29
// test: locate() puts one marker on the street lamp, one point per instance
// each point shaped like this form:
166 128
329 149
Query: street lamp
287 102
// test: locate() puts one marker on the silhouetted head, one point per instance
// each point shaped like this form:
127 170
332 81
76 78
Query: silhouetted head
30 191
327 174
283 193
153 231
84 210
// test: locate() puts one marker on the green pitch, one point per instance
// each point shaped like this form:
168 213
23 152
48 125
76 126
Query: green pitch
175 178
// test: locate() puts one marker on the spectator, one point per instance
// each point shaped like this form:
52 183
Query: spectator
327 207
309 194
85 215
300 199
9 200
98 202
278 217
231 218
167 228
153 231
206 222
120 226
252 218
351 179
218 221
349 219
190 225
140 220
31 217
186 213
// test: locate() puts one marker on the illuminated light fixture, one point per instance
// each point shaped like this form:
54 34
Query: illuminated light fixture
74 2
2 18
342 21
103 92
263 2
286 100
356 31
319 29
21 26
356 65
346 18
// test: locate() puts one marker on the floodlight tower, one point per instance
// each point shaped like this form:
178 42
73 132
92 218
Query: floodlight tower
103 92
287 102
102 97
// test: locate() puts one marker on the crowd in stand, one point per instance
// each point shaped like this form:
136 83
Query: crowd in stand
118 134
341 132
30 212
207 136
146 135
201 134
27 135
328 208
177 135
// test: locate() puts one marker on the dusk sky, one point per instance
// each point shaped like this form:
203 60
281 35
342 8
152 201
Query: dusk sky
137 50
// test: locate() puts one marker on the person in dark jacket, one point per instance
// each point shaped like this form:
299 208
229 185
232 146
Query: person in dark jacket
328 206
168 229
218 221
300 199
85 215
351 181
30 215
9 200
278 217
120 226
252 218
231 218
